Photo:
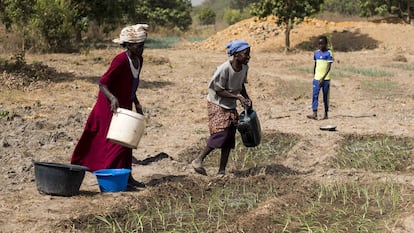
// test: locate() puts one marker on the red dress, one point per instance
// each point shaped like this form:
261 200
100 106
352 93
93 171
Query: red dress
93 149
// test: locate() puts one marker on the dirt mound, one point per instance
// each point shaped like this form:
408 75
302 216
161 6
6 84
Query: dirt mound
266 35
17 74
255 31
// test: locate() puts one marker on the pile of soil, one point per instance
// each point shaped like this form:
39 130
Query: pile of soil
266 35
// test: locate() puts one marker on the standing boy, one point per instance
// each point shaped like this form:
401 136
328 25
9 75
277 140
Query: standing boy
321 79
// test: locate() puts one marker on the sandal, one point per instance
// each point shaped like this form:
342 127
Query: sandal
134 183
199 169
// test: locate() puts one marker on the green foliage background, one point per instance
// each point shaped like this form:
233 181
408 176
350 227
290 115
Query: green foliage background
57 25
60 25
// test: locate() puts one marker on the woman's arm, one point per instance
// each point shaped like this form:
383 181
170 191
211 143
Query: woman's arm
114 101
244 92
138 106
243 97
247 100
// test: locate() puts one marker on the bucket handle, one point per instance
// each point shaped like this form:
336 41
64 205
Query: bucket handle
247 109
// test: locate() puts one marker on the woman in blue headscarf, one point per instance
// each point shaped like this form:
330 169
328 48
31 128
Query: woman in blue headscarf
225 88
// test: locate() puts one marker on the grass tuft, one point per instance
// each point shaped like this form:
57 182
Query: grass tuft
343 207
377 153
402 66
382 87
368 72
273 147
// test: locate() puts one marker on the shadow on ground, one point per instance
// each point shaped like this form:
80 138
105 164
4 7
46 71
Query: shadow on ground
271 169
342 41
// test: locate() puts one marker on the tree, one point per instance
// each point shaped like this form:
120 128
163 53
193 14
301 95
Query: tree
207 16
54 24
232 16
401 8
287 12
344 7
17 12
167 13
53 20
241 4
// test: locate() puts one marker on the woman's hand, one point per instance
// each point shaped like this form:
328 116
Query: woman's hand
244 101
112 99
248 103
114 103
138 108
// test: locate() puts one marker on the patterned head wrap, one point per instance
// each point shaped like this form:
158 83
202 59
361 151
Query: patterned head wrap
236 46
132 34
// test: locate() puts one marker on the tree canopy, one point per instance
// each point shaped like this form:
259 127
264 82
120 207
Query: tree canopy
241 4
402 8
206 16
287 12
168 13
58 23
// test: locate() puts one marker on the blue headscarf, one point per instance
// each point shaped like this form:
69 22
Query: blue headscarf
236 46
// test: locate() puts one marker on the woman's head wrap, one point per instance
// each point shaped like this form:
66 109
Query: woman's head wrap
236 46
132 34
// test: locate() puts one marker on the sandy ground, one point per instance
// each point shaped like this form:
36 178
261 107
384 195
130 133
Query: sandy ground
49 118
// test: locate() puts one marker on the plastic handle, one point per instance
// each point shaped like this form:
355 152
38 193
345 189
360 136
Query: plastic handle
245 112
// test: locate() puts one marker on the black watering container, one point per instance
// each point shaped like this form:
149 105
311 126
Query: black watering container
249 127
59 179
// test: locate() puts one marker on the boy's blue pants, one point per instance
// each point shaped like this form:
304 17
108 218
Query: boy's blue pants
325 92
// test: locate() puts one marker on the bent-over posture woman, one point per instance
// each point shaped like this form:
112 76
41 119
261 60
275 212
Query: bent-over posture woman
117 88
225 88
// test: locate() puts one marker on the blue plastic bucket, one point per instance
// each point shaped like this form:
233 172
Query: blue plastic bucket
112 180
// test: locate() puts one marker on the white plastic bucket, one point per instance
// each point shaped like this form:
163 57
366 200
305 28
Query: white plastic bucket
126 128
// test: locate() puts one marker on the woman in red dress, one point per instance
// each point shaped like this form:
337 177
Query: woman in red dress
117 88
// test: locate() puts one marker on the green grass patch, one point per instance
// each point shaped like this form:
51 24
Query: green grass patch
264 202
341 207
7 114
273 147
402 66
161 42
307 69
368 72
377 153
348 71
257 204
382 87
196 38
336 71
188 206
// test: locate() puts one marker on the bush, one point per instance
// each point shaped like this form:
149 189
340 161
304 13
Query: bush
207 16
53 20
340 6
232 16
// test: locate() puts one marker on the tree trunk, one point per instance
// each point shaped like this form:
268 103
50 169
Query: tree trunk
409 11
287 35
78 35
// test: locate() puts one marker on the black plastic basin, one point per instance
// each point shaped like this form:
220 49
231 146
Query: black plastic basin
59 179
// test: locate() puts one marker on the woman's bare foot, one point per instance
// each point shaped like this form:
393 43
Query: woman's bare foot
198 167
